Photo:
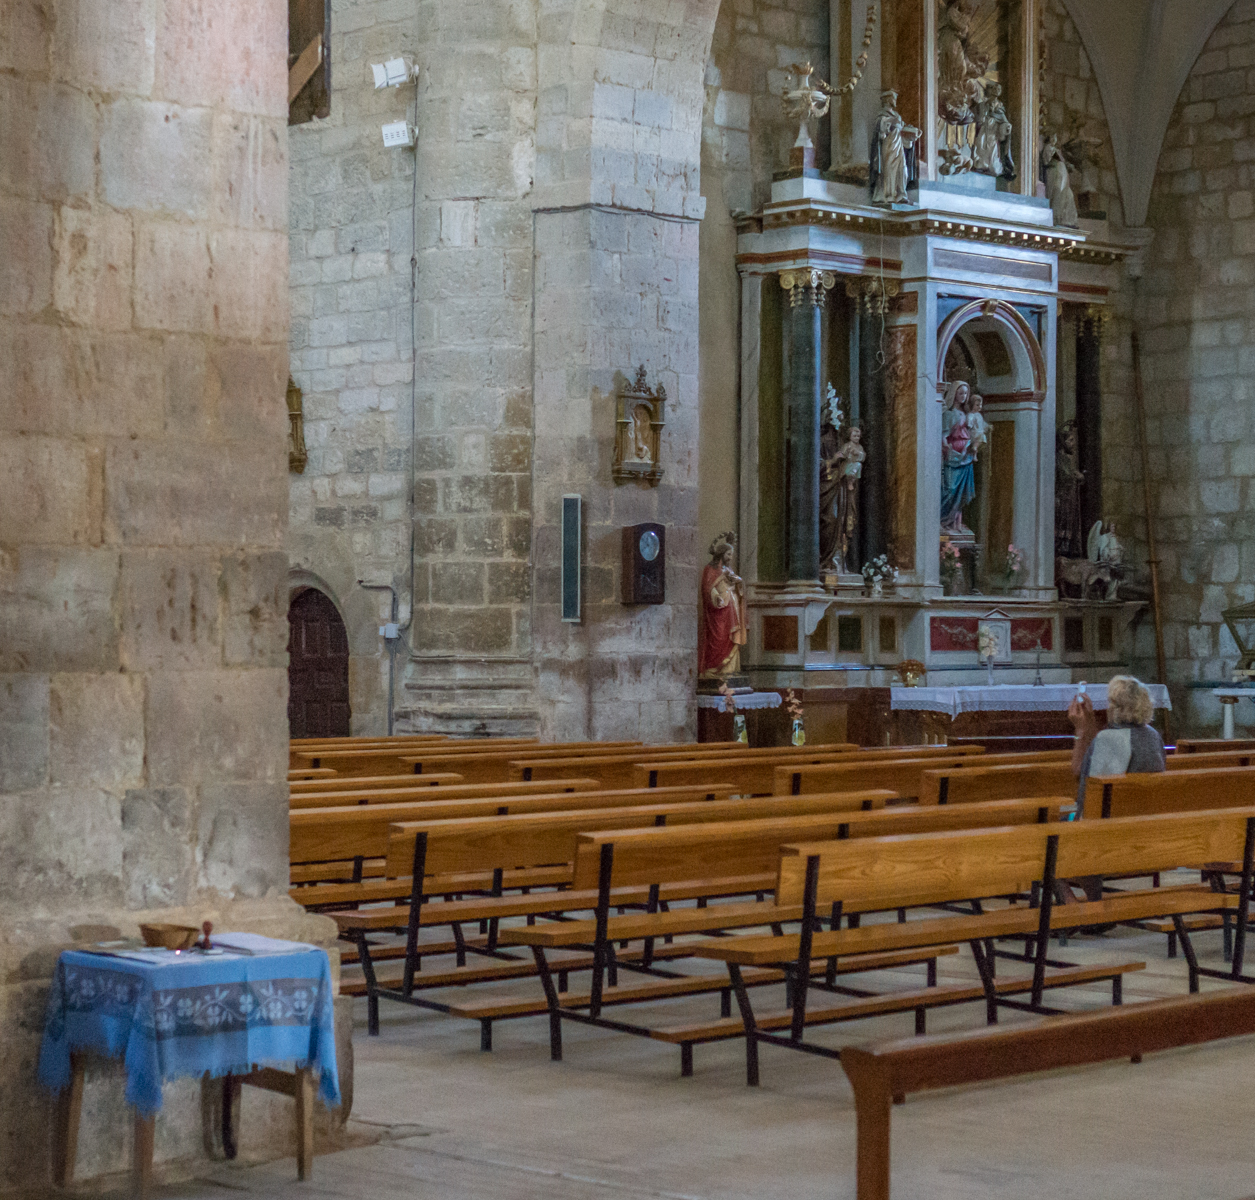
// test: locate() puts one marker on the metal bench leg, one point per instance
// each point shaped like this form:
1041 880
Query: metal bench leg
551 995
686 1060
1187 948
751 1026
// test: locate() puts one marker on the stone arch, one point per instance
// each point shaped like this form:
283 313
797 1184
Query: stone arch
1028 362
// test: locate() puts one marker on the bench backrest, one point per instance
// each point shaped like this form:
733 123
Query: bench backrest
1169 791
1210 758
618 767
751 847
756 773
540 839
891 872
967 785
415 792
1200 745
907 771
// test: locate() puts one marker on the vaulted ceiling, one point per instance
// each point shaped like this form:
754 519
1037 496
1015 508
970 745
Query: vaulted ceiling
1142 52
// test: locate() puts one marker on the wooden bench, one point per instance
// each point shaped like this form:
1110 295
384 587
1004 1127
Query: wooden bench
434 852
409 792
967 785
663 858
619 770
756 774
953 868
885 1074
902 773
387 759
1179 790
365 783
303 774
1203 745
493 766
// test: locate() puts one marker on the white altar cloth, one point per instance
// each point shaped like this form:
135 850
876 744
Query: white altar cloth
746 700
1050 697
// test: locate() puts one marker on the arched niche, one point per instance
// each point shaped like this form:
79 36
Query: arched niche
993 347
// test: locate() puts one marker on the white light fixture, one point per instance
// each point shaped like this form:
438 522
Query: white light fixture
398 133
394 72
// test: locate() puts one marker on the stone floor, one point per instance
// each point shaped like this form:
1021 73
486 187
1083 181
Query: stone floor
615 1121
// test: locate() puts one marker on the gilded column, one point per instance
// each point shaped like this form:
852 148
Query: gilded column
806 290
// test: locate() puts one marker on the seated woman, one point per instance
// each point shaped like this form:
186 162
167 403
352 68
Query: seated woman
1129 745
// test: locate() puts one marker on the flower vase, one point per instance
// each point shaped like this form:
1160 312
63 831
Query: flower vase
739 732
878 588
989 671
799 732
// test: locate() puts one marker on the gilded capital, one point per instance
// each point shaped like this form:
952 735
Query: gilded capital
807 286
873 292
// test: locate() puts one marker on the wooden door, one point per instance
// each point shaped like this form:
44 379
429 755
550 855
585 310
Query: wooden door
318 668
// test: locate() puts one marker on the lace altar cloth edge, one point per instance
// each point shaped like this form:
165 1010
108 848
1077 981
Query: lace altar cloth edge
1051 697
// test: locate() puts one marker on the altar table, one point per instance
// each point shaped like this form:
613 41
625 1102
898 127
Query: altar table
1051 697
176 1014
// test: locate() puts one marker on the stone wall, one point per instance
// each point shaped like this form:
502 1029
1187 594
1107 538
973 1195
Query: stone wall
143 495
351 242
1195 307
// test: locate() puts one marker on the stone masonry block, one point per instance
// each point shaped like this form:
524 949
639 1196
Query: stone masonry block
92 276
240 55
215 726
457 583
79 833
169 614
242 835
172 264
23 732
251 188
50 153
24 36
254 590
157 853
160 494
52 493
25 256
157 157
46 590
100 45
96 732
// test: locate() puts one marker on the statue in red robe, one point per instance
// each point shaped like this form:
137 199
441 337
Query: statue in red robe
721 633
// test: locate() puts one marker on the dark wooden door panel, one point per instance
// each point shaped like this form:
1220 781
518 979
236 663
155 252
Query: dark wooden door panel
318 668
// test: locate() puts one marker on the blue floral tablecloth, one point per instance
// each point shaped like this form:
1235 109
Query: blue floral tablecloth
190 1014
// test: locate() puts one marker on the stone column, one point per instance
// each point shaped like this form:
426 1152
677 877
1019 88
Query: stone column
1089 322
806 291
143 508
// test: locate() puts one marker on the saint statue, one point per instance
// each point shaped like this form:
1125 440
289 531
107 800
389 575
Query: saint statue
1077 151
641 418
892 153
1068 480
959 63
841 467
1058 187
721 633
964 431
992 154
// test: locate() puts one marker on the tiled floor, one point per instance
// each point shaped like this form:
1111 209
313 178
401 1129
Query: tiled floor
615 1121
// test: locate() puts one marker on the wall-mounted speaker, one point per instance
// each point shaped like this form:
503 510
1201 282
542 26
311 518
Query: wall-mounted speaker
644 576
571 513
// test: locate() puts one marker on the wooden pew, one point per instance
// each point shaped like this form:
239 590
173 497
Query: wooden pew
944 868
620 770
311 774
415 790
433 852
884 1074
902 774
756 775
1169 791
387 759
308 745
662 858
1202 745
966 785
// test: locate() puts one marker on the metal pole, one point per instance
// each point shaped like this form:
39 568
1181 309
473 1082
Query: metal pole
1152 551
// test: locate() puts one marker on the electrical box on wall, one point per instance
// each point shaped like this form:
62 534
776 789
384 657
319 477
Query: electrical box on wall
572 522
644 579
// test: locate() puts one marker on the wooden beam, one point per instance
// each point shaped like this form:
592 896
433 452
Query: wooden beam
302 71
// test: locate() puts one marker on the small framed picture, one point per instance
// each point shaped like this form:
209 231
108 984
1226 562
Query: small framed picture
1000 631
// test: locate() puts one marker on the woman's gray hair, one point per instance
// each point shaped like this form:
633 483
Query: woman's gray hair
1128 702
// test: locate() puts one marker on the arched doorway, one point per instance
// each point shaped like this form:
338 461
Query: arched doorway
318 667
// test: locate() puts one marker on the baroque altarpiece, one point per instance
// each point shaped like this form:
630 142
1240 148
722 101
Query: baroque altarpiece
916 292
